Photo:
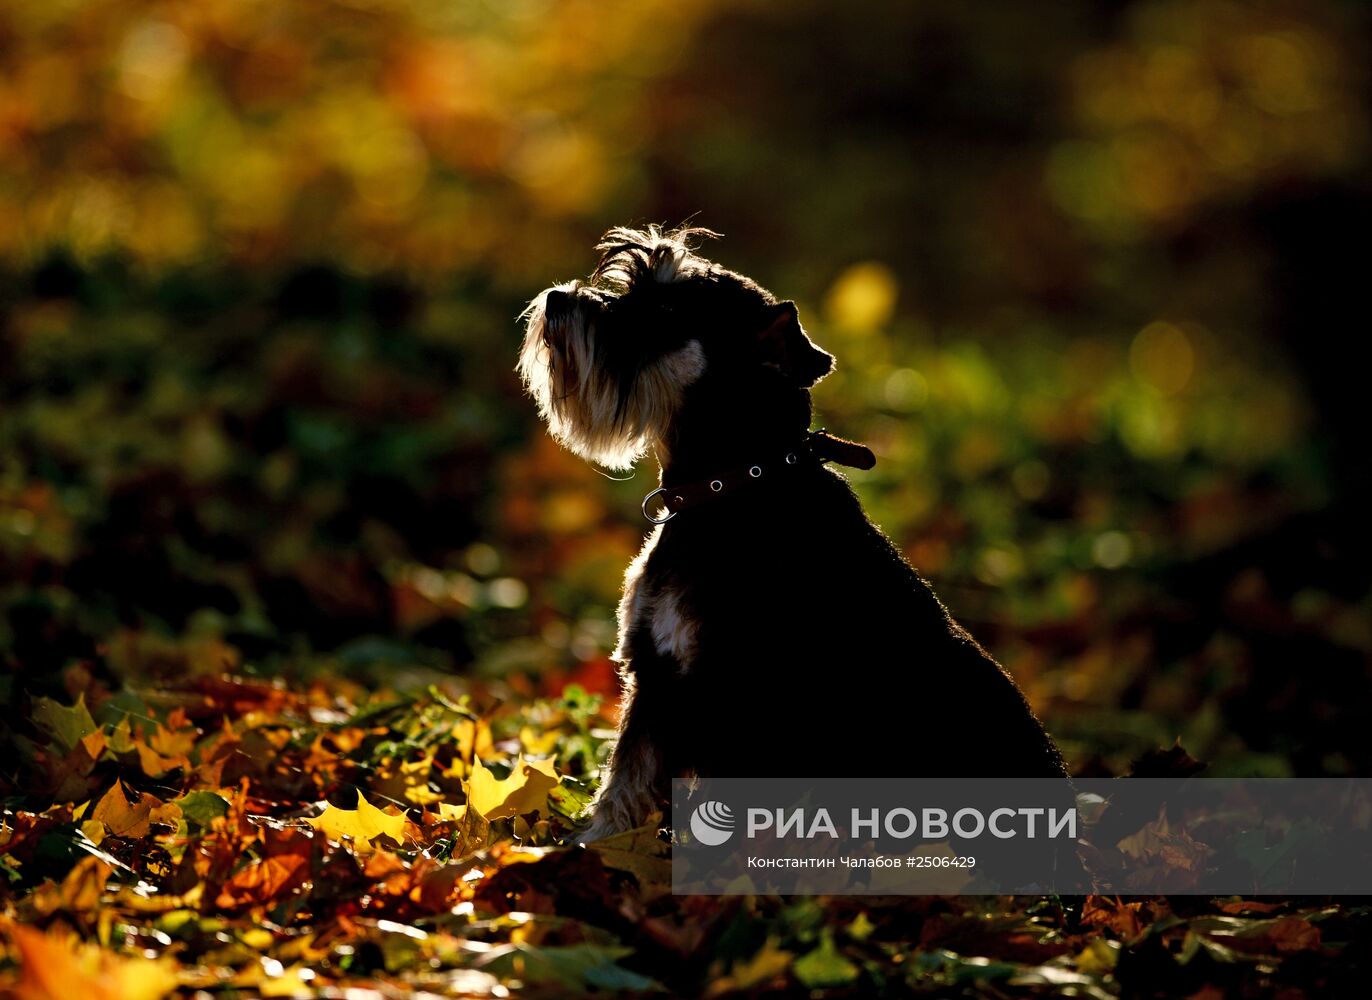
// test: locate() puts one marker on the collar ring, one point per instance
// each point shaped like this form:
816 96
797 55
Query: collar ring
664 515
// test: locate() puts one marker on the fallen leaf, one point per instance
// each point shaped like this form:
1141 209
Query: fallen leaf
364 824
824 967
1098 958
201 808
265 880
79 893
641 853
66 724
58 967
1113 913
525 790
1158 841
406 780
538 743
132 819
765 965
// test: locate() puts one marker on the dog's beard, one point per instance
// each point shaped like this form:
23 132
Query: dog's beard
602 415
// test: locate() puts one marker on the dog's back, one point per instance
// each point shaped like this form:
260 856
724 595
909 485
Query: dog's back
818 650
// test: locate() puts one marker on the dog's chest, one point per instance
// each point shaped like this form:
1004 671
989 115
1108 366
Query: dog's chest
655 613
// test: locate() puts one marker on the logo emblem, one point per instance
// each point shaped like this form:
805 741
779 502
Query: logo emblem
712 823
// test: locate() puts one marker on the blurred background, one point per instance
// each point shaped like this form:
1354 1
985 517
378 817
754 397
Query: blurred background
1092 272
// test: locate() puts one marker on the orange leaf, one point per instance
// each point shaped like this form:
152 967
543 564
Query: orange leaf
1112 913
125 819
57 967
265 880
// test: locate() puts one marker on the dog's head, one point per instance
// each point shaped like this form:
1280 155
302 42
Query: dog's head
657 331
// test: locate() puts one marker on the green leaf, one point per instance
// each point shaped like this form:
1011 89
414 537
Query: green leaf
66 724
570 798
202 808
824 966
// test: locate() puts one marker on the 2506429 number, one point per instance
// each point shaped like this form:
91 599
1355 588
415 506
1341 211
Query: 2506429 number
942 861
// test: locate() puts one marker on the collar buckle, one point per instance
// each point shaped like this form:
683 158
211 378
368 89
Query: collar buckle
665 514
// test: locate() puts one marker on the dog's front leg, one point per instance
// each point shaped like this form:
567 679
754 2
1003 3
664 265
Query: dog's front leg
634 779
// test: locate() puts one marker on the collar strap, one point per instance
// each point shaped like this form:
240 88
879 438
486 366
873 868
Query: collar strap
816 447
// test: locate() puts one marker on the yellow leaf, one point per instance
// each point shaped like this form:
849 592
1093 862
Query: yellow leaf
257 938
1098 958
407 780
57 965
769 963
538 743
473 739
154 765
363 824
94 831
525 790
80 892
174 739
94 744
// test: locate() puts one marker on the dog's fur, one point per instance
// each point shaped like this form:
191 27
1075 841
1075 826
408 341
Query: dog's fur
775 631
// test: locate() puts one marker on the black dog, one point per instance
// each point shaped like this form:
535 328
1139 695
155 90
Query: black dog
768 628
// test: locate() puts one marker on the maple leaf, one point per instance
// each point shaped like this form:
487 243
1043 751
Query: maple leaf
1113 913
407 780
202 808
155 765
524 791
66 724
362 825
473 741
538 743
285 867
132 819
641 853
176 738
70 776
1175 848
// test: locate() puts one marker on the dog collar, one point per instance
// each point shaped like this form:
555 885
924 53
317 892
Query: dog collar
816 446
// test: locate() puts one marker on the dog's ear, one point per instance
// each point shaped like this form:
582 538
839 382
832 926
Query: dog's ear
784 344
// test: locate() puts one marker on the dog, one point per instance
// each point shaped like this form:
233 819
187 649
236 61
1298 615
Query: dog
767 627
